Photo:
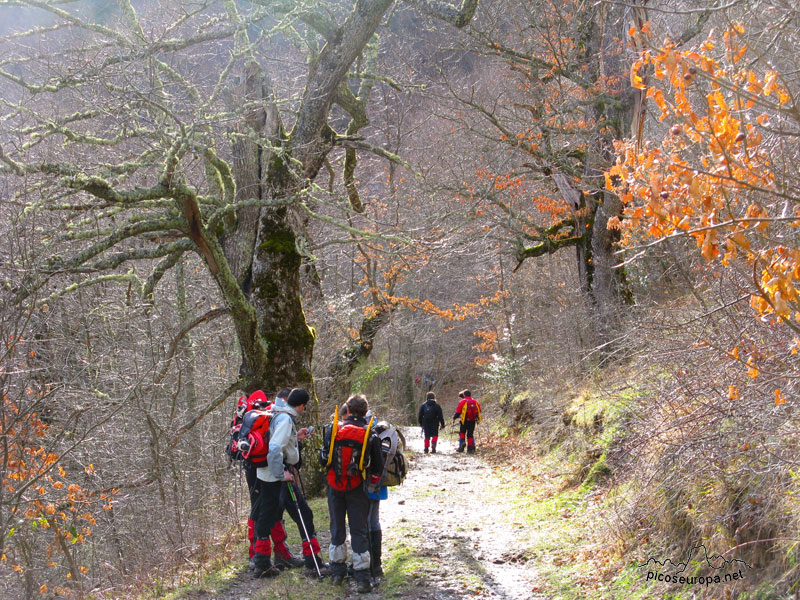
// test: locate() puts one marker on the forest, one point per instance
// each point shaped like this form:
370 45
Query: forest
585 211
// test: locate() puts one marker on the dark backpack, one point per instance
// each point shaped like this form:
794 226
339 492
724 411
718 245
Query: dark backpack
232 445
394 462
429 415
255 429
232 442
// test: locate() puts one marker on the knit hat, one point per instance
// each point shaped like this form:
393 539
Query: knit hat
297 397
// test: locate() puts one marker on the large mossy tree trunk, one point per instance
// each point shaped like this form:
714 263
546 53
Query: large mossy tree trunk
603 270
257 263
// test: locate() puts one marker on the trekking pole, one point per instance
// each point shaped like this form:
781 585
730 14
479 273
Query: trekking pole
303 523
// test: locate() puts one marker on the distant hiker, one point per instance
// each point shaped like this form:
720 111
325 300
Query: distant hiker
430 418
351 453
469 413
256 401
283 453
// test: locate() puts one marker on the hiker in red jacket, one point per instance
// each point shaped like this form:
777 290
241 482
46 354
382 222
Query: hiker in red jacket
469 412
353 455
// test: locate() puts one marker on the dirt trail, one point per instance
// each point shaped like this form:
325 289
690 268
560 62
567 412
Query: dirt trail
450 512
448 534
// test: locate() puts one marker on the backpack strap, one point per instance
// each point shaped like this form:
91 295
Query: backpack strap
334 431
364 445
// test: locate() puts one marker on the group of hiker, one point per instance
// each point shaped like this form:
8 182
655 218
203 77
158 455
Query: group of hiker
430 418
361 457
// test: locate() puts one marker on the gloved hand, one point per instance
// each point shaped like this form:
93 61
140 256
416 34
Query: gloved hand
373 483
244 446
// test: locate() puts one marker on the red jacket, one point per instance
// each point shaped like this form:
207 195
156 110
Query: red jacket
468 404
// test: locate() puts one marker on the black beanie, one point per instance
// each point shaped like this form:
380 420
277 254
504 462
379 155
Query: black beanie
297 397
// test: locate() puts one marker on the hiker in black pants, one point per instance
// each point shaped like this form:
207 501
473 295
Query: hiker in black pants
469 413
283 453
354 454
430 418
296 508
258 400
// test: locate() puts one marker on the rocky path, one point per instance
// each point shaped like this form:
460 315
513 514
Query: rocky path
451 517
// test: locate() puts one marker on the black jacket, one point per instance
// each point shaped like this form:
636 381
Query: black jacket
430 413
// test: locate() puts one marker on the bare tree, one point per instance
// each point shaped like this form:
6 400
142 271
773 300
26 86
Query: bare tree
133 141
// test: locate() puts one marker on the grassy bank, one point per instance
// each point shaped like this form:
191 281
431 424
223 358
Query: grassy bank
581 474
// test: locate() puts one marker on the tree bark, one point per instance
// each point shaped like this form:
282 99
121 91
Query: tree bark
608 290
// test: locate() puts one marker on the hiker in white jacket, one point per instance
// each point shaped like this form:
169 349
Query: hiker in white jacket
283 452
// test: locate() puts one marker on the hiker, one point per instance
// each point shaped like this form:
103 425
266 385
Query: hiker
296 505
283 453
469 412
375 493
258 401
353 453
430 418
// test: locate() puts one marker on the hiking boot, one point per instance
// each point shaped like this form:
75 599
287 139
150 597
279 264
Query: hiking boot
324 571
311 566
470 449
265 571
363 584
262 566
426 450
433 448
288 562
375 551
461 446
339 570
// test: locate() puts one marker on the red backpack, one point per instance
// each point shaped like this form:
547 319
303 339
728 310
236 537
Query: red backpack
256 400
346 462
255 429
472 409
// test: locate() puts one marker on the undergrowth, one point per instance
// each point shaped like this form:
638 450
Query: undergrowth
605 497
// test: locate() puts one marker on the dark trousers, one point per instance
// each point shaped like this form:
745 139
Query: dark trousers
374 519
354 506
252 488
467 430
268 512
292 508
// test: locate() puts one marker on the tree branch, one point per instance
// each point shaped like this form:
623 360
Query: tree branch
459 17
